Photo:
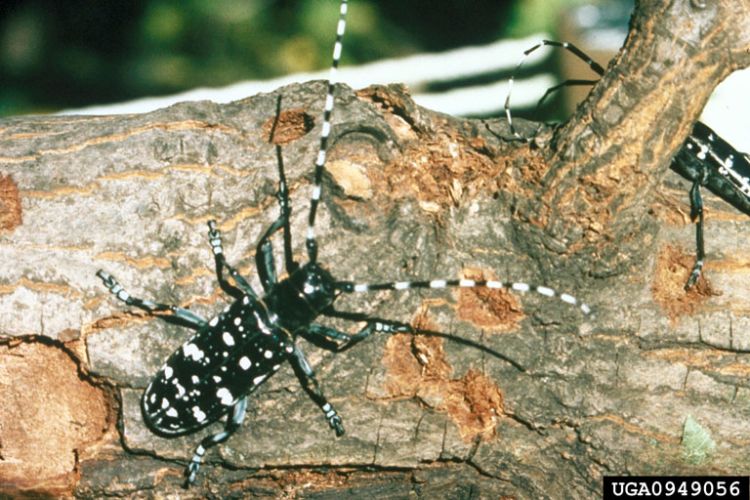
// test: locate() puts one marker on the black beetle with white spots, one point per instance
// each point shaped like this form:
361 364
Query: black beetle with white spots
231 355
705 159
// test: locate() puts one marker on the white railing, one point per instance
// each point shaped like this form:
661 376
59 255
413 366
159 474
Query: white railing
417 72
727 112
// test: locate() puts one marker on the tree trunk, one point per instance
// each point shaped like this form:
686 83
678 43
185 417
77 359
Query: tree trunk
655 381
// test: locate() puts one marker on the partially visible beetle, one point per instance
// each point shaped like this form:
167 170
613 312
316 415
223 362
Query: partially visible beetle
705 158
708 160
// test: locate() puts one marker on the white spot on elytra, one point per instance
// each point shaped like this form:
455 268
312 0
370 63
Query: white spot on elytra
217 379
164 403
268 354
199 415
191 350
172 413
168 372
225 397
227 338
237 321
180 390
194 379
260 378
245 363
214 321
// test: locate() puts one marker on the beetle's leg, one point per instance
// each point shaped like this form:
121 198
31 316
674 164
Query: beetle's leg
179 314
233 423
696 211
306 376
214 238
348 340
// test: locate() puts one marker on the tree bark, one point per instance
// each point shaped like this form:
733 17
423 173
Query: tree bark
656 381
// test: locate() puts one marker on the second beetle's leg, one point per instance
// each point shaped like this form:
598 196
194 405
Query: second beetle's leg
696 211
307 377
233 423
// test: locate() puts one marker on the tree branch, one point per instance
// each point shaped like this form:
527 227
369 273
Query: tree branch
408 194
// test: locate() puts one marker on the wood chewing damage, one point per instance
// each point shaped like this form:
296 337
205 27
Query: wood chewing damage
416 367
671 269
589 209
10 204
53 417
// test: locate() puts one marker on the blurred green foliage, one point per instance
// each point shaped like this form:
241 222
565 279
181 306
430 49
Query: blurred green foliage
57 54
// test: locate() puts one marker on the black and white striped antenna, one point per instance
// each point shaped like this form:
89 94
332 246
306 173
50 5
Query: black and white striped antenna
312 245
350 287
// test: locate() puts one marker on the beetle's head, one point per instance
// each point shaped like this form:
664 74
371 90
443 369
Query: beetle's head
316 286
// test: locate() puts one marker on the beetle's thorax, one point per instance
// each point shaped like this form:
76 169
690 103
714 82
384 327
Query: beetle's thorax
300 297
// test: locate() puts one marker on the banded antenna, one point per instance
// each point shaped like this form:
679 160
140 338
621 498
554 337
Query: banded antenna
312 246
349 287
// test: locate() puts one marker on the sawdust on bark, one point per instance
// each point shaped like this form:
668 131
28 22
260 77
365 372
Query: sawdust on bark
417 367
492 309
290 125
672 269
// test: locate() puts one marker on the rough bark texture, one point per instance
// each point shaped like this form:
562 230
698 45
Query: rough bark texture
408 194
